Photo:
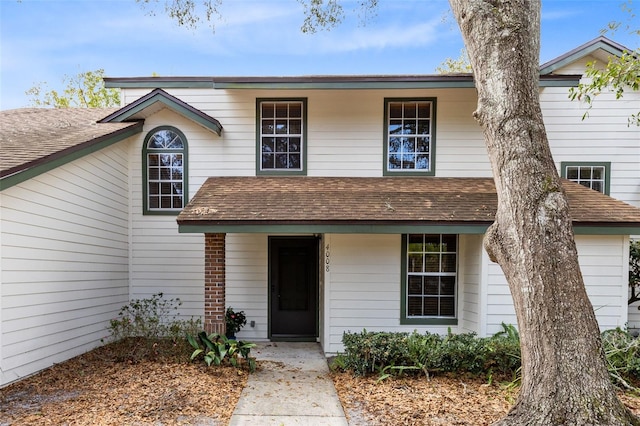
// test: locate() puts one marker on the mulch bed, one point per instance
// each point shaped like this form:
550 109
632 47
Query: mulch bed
108 386
128 384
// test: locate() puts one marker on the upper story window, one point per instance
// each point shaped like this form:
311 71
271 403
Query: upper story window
592 175
430 270
409 136
164 158
281 146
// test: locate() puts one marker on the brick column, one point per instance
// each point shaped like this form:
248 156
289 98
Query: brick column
214 283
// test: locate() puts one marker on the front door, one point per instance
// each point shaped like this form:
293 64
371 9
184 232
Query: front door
293 282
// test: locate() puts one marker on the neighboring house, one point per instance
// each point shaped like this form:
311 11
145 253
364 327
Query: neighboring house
317 205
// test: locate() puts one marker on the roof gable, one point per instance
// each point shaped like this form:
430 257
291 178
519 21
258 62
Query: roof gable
603 44
158 97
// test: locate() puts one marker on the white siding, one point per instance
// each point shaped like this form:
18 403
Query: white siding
604 261
64 242
246 272
345 130
469 282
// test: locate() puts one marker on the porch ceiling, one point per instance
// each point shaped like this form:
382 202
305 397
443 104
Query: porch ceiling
322 204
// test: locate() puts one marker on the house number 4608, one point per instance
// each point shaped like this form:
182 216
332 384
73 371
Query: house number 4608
327 258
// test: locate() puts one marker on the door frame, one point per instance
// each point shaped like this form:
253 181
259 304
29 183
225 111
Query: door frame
315 287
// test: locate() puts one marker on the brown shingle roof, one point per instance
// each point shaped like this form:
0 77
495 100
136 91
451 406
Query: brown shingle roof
32 136
339 200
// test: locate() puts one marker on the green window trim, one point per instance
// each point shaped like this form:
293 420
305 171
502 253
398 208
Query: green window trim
605 165
432 119
405 319
146 151
302 171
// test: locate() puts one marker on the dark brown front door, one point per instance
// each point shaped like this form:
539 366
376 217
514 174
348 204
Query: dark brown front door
293 282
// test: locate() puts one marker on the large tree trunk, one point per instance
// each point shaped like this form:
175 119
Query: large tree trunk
564 376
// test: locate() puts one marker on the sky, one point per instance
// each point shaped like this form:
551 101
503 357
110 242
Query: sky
44 41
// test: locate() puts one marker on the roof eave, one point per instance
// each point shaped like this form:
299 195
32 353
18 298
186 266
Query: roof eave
131 111
23 172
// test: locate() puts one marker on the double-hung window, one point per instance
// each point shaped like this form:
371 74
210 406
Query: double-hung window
429 279
164 176
281 145
594 175
409 137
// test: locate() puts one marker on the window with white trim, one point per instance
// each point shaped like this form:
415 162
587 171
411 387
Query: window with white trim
595 176
409 136
281 136
164 171
430 281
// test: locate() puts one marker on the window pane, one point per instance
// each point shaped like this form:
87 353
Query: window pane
268 144
424 109
572 173
598 186
432 263
395 110
409 128
268 127
408 145
154 188
431 285
448 263
422 161
282 161
415 263
415 285
282 145
268 161
432 243
295 127
431 306
395 127
422 145
294 144
585 172
268 110
281 127
394 161
414 306
282 110
394 145
415 243
598 173
410 110
449 243
295 110
447 307
408 161
294 161
447 286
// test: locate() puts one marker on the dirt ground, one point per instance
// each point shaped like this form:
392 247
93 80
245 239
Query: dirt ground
104 388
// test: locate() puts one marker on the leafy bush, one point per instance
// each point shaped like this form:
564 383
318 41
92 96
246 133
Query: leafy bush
217 349
153 318
399 353
622 352
149 329
388 353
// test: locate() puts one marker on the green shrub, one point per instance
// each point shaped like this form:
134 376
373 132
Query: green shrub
622 352
217 349
150 329
153 318
397 353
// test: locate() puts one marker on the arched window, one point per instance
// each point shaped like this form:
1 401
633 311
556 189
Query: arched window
164 177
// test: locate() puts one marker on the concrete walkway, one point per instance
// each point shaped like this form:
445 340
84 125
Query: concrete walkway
292 387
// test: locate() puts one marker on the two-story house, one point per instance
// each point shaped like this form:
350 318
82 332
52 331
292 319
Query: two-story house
316 204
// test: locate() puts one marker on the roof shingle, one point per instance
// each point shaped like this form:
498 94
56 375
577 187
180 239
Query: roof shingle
31 136
337 200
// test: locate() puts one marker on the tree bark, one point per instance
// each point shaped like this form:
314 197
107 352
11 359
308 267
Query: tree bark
564 376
